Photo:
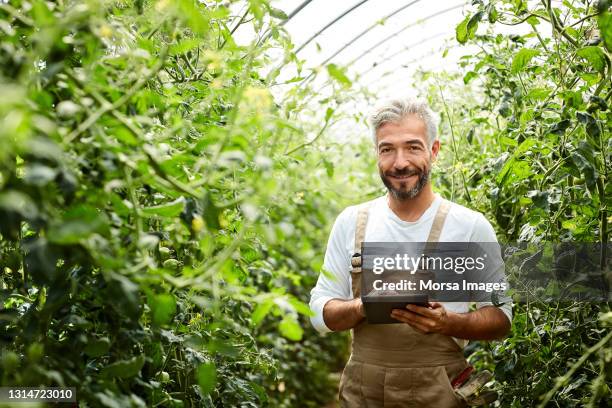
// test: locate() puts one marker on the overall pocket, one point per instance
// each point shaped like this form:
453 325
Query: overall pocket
350 385
447 373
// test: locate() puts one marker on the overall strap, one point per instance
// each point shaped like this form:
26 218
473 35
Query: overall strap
436 227
360 227
362 221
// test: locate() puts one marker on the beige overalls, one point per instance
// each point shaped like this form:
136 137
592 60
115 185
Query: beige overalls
393 365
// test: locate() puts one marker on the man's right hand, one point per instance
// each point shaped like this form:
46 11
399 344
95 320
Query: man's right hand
341 314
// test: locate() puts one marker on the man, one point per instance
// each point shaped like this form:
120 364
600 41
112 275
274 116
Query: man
408 364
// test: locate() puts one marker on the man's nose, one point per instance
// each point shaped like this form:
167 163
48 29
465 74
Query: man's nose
401 160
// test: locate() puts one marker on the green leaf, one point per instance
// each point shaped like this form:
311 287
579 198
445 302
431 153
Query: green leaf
538 94
168 210
469 76
493 14
301 307
290 328
461 31
522 58
606 318
329 168
126 295
590 123
163 307
39 174
42 148
42 15
470 135
603 5
97 347
108 400
40 260
516 169
338 74
207 377
605 29
595 56
472 24
261 311
211 212
184 45
77 224
124 368
572 98
18 202
519 6
559 128
193 14
278 13
467 28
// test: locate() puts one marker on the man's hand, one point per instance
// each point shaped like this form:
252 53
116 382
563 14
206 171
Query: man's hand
432 319
343 314
486 323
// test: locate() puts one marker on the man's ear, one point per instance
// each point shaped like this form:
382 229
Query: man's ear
435 148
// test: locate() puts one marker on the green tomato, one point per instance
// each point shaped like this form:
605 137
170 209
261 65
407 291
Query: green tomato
163 377
171 264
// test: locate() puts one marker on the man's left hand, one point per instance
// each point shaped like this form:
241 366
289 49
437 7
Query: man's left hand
432 319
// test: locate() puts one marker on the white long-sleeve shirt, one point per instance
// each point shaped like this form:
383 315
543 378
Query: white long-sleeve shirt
461 225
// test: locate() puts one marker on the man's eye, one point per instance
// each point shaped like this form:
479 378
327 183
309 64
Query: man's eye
385 150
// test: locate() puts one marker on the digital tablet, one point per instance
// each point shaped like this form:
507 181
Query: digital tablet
378 308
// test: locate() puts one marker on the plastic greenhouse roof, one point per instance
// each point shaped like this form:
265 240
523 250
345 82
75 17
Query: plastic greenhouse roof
382 43
413 35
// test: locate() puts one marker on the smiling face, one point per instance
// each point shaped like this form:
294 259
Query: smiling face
404 156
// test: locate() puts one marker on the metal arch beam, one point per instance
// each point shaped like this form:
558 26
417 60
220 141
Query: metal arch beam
404 65
354 39
295 11
289 17
395 34
367 30
331 23
360 75
395 54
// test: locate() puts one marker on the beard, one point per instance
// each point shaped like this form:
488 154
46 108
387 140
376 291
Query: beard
404 193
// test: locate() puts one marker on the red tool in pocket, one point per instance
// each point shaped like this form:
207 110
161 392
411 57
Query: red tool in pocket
462 377
470 387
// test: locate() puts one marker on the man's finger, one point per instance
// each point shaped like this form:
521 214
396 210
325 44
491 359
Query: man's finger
423 311
412 317
418 327
435 305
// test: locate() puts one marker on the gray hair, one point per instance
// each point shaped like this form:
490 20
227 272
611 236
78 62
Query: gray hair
394 110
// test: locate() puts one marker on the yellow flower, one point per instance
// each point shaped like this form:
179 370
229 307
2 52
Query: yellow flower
258 99
105 31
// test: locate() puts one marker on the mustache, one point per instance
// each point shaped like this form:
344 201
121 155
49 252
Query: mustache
404 172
